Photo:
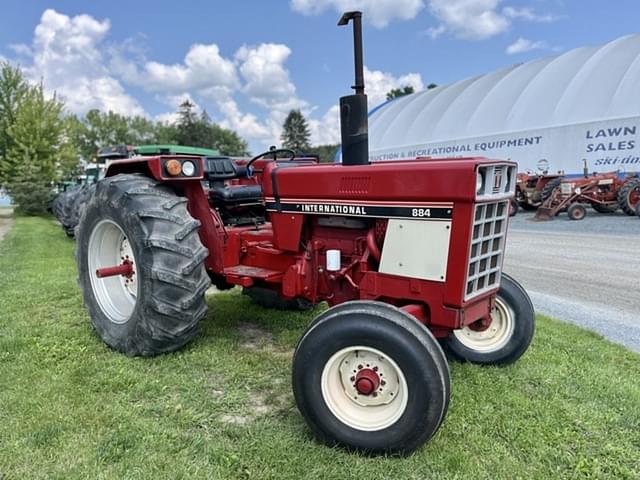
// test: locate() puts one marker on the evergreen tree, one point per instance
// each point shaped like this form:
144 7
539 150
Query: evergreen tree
198 131
295 133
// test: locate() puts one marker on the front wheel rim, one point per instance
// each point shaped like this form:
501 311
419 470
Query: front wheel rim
116 295
367 412
495 336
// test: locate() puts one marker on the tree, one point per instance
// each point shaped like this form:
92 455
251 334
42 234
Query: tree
295 133
13 88
228 142
40 149
198 131
192 130
400 92
431 86
326 153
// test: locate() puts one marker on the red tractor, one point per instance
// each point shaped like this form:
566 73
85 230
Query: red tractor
532 189
408 255
629 196
604 192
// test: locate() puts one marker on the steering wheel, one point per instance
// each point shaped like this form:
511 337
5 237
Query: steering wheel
274 152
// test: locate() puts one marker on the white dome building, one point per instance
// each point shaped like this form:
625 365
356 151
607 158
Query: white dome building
551 113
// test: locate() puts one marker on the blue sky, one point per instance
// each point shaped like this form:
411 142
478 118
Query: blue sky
249 62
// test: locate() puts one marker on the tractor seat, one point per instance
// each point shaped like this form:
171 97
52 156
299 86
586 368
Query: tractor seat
236 193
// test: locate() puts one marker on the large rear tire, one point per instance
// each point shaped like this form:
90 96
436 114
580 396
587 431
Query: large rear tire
508 335
629 196
77 205
157 308
548 189
367 376
66 208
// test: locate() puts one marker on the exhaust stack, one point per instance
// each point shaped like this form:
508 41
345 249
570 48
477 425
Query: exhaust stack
354 124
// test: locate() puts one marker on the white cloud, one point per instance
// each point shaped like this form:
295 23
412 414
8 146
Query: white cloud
204 69
267 81
247 124
67 54
435 32
470 19
529 15
326 130
21 49
378 13
478 19
378 84
167 117
522 45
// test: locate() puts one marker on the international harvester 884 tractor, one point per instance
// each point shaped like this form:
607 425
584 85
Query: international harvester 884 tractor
407 254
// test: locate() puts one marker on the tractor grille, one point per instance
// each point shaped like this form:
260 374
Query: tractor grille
487 247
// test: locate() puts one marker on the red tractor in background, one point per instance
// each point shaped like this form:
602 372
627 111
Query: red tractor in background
532 189
629 195
408 255
604 192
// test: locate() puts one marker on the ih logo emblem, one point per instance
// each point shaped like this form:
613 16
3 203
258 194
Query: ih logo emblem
497 180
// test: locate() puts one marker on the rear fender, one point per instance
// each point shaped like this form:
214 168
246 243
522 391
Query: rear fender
154 167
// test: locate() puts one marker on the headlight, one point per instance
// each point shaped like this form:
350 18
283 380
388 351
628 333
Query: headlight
479 182
188 168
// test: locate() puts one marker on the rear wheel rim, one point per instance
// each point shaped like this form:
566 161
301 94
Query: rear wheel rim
376 411
117 295
495 336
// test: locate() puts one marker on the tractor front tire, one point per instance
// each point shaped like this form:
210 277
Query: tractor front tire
629 196
157 308
508 335
576 211
367 376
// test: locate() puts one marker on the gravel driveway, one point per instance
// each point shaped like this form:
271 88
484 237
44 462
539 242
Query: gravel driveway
584 272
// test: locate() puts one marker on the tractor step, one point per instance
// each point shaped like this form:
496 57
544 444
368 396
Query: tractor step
245 275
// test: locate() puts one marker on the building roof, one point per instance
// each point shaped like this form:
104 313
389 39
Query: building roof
582 85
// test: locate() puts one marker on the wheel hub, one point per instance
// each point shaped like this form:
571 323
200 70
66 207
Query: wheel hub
367 381
112 271
364 388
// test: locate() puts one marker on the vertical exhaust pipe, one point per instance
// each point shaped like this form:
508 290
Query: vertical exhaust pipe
354 124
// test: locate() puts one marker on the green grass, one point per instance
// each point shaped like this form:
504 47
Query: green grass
222 407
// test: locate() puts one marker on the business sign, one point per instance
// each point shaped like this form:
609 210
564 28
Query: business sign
606 146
